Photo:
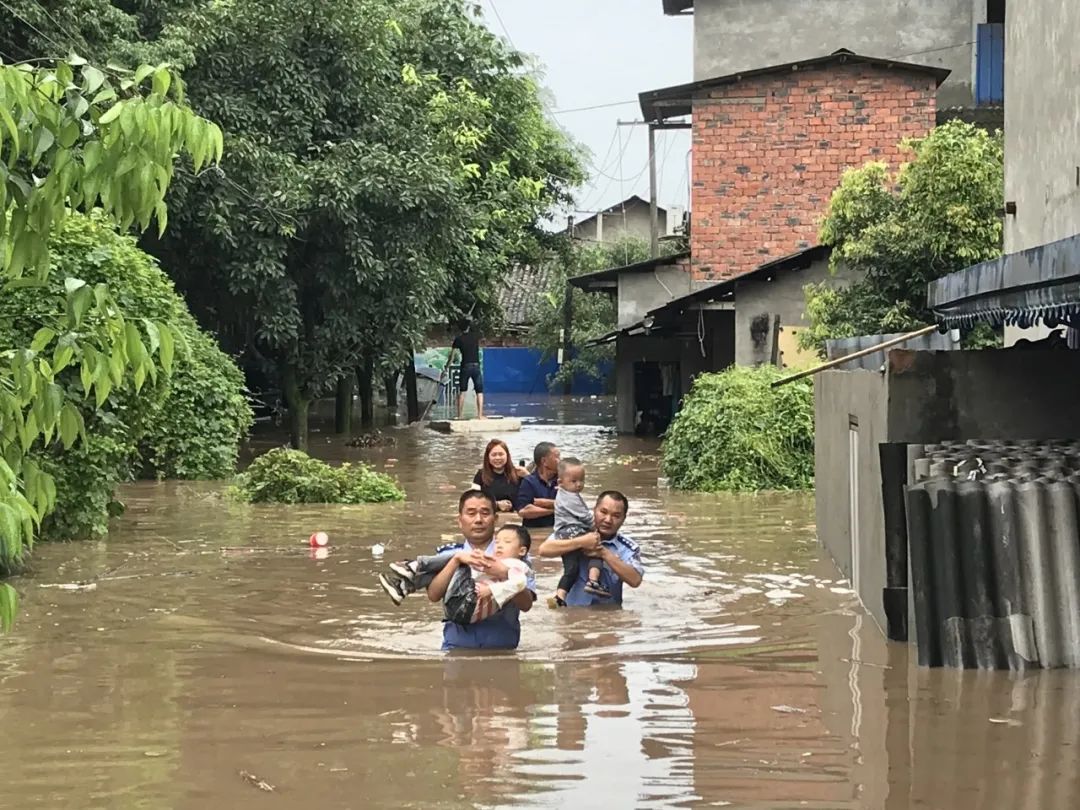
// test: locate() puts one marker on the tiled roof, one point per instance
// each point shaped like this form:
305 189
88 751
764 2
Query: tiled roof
524 284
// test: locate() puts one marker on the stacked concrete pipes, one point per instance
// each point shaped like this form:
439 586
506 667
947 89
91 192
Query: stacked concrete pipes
994 545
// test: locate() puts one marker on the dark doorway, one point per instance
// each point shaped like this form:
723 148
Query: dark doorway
656 396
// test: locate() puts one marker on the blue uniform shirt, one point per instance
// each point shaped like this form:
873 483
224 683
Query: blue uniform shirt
626 550
533 487
499 632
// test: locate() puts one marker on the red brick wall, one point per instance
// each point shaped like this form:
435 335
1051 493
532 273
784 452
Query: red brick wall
769 151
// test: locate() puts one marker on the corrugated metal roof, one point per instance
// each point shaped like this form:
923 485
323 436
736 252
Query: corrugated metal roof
935 341
677 101
518 296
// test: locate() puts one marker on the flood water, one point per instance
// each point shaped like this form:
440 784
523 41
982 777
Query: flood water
212 653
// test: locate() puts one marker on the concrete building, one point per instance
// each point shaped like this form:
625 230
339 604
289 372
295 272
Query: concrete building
962 37
868 423
631 217
771 143
670 329
1042 131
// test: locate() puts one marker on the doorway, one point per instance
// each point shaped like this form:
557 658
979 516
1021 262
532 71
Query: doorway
656 396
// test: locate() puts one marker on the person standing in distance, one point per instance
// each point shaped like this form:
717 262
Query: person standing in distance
467 344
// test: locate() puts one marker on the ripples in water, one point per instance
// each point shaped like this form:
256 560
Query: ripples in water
739 674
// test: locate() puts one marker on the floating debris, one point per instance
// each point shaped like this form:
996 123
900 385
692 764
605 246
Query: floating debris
372 440
255 781
378 550
71 586
785 709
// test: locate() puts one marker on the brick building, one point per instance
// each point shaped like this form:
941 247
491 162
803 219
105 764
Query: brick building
770 145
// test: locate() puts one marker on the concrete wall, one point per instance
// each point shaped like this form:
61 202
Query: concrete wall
646 290
636 224
840 396
1042 122
991 394
769 152
784 297
734 35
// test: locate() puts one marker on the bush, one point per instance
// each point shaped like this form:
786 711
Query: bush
188 425
292 476
736 434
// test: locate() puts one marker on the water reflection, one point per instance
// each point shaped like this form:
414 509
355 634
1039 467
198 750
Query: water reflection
213 645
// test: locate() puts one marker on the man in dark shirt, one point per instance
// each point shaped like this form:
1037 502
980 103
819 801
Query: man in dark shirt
536 495
467 344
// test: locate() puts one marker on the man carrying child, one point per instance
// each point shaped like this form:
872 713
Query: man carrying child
484 583
621 556
574 518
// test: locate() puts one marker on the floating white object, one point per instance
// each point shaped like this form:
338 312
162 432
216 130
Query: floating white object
492 424
784 709
377 550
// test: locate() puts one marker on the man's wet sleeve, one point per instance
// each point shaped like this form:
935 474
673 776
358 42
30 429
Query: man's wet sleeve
525 495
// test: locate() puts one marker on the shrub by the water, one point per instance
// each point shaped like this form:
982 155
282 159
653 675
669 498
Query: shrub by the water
292 476
736 434
187 425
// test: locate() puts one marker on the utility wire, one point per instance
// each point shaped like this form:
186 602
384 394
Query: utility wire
31 26
74 39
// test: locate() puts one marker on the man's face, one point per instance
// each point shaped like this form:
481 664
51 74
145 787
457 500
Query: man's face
609 515
477 521
550 462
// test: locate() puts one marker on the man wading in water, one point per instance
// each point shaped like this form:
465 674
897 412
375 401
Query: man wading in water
476 519
620 555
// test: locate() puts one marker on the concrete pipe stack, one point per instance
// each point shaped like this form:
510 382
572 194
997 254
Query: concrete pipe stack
994 545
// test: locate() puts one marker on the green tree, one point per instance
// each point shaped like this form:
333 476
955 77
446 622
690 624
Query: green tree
938 214
75 136
386 163
187 424
593 315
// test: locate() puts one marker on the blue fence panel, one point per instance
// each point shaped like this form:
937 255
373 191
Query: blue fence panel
518 370
990 64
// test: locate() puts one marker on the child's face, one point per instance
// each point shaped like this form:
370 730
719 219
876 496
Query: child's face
572 479
508 545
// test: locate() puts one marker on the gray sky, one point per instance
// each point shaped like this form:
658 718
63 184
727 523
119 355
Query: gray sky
598 52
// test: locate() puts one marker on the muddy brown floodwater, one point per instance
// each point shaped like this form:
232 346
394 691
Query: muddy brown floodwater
214 664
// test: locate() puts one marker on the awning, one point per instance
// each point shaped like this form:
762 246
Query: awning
607 279
1038 285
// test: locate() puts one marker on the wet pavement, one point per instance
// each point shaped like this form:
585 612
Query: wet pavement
201 658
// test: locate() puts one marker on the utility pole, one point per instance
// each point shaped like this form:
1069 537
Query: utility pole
565 341
654 211
654 214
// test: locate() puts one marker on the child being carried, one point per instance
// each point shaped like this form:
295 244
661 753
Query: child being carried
473 595
574 518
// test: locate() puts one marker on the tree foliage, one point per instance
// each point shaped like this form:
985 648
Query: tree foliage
184 425
285 475
76 136
593 314
736 433
938 214
386 162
